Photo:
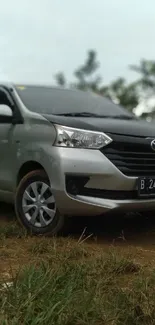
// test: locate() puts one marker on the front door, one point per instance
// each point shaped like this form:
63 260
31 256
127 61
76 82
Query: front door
7 156
8 149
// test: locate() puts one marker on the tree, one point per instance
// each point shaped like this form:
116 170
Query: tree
146 83
122 93
88 79
60 79
146 69
85 74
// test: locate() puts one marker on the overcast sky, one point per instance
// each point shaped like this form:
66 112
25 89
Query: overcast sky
40 37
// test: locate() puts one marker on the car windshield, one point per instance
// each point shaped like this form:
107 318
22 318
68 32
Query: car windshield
46 100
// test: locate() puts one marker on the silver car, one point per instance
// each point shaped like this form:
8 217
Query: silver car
71 153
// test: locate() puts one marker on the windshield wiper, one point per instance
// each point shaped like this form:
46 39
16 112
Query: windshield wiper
78 114
124 117
87 114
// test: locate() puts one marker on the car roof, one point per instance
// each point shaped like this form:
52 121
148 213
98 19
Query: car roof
20 85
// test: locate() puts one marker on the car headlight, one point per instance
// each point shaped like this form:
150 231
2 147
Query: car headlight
77 138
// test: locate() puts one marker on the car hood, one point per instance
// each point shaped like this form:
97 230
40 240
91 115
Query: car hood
107 125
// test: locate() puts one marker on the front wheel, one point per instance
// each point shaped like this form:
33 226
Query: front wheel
35 205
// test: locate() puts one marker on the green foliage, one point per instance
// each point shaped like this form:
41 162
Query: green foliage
123 94
146 69
88 79
60 79
146 82
85 73
118 90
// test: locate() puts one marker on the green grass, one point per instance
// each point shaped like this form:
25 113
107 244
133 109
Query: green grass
12 229
64 282
76 287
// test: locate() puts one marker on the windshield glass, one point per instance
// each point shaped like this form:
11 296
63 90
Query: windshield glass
47 100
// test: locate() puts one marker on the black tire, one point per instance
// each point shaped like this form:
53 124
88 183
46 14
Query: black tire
57 223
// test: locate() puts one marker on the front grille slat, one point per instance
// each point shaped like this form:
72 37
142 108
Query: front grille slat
131 165
136 160
130 153
133 156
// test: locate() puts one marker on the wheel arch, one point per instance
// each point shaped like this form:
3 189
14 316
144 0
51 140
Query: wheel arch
27 167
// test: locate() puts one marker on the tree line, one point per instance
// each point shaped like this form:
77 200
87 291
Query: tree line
129 95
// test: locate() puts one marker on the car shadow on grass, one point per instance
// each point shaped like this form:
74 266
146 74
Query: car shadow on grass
134 229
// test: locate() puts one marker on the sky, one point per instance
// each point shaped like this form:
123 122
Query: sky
38 38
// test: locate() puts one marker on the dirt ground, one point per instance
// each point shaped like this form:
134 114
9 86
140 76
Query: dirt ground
135 234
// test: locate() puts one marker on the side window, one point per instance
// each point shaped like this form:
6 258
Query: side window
6 113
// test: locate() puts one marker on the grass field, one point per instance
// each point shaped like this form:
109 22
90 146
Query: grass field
65 281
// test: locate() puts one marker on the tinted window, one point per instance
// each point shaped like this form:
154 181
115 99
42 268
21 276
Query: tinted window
47 100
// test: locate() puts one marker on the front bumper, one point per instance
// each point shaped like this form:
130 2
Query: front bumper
102 174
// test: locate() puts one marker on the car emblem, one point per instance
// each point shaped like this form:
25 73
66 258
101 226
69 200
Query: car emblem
153 145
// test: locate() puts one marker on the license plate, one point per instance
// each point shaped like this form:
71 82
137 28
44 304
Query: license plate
146 186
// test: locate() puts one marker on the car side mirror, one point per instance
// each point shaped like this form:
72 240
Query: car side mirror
5 111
